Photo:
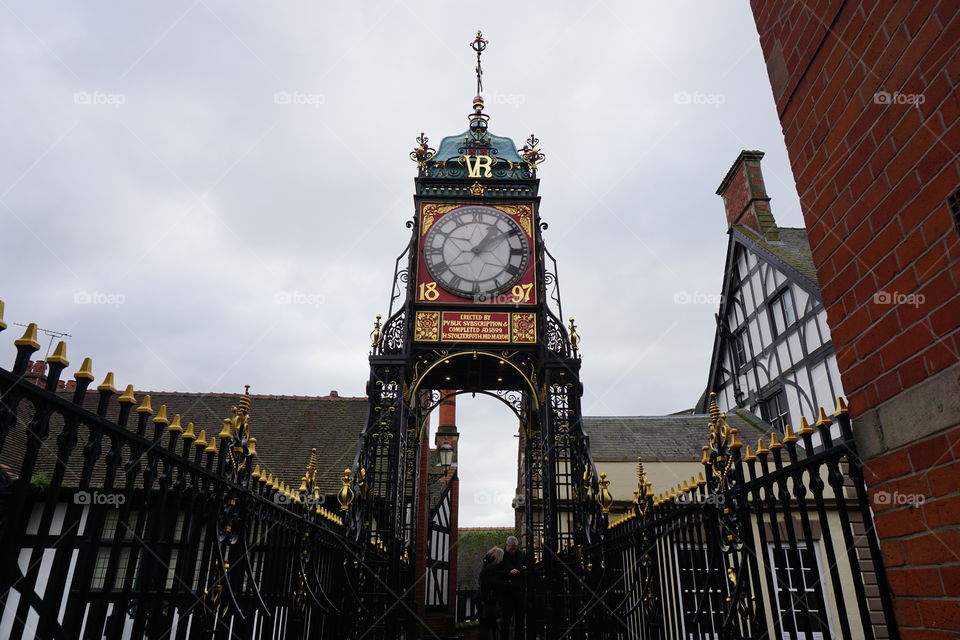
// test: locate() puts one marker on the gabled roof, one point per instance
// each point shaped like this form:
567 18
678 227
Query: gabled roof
790 254
286 428
793 249
652 437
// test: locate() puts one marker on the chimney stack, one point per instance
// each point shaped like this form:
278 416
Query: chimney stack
745 196
447 420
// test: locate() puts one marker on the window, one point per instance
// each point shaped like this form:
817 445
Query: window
701 591
739 348
799 595
775 410
782 312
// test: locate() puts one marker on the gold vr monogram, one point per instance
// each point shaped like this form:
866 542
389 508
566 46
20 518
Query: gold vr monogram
475 163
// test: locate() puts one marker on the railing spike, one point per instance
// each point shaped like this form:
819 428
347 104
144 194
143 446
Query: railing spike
3 325
107 384
161 417
29 338
127 395
841 407
86 370
762 448
145 406
59 355
775 441
822 419
788 435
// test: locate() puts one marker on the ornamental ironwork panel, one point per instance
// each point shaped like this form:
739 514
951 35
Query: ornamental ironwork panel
773 542
145 527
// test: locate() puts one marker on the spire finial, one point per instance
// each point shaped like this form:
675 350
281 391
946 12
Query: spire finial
479 45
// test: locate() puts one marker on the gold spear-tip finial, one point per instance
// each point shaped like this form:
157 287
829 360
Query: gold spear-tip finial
127 395
762 448
189 434
735 442
145 406
805 428
29 338
788 435
201 439
227 432
256 473
3 325
107 384
175 425
822 419
211 446
59 355
841 408
162 415
775 441
86 370
749 457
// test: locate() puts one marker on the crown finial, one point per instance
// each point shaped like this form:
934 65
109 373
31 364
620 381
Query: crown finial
423 152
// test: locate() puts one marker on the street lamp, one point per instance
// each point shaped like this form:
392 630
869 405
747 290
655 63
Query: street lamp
446 455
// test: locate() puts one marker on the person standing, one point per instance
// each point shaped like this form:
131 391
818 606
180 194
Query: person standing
512 567
493 583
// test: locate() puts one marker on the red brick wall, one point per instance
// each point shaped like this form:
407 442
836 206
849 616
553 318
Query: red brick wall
874 166
915 494
868 95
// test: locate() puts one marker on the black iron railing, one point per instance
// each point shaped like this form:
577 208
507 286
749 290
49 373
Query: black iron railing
139 527
773 542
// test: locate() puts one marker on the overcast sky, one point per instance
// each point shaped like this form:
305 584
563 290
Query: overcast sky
195 231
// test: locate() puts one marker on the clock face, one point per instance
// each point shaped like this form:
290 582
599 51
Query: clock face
476 251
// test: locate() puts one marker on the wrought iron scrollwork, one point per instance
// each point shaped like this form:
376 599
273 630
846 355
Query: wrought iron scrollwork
394 334
557 341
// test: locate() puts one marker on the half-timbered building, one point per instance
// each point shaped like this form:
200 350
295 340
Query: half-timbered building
772 352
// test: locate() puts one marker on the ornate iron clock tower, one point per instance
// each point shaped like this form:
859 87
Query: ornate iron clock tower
475 308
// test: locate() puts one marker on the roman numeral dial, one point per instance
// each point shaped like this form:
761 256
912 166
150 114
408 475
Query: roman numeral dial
476 251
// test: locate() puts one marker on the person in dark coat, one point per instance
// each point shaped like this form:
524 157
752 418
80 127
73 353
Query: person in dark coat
512 601
493 583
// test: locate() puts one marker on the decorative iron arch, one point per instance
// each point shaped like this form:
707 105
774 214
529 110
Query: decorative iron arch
418 380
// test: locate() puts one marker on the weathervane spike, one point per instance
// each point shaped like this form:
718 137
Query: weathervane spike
479 45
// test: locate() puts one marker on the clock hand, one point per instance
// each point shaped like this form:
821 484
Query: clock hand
490 240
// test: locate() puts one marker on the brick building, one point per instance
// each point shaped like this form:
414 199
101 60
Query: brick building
868 95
